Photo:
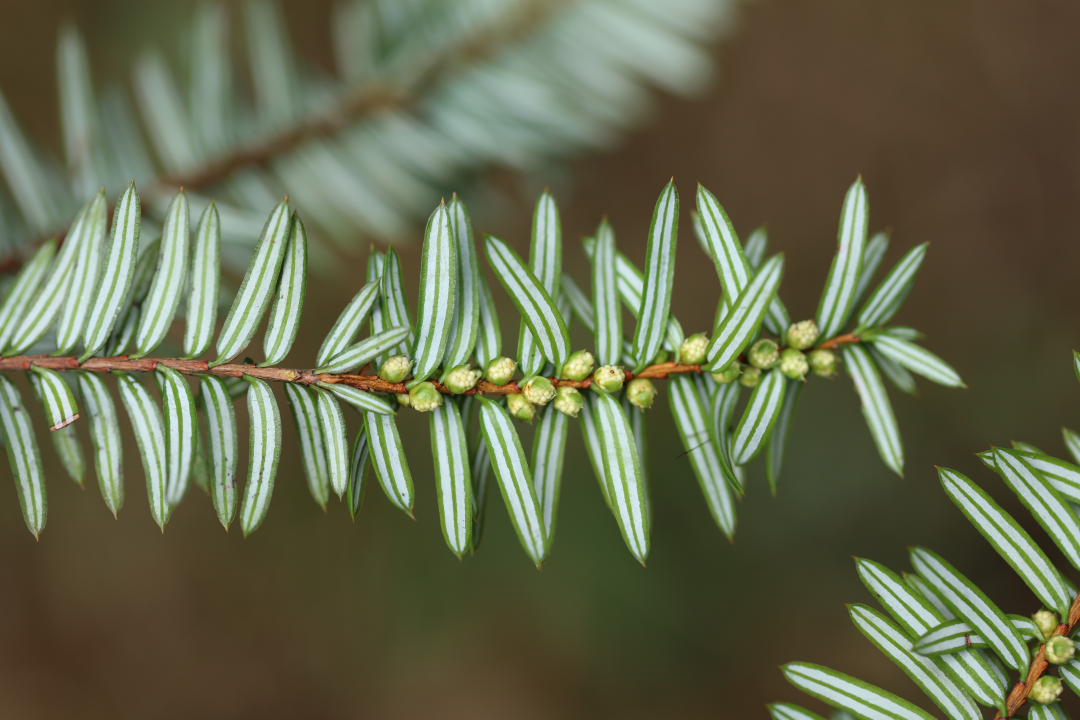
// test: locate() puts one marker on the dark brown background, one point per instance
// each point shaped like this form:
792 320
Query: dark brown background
963 119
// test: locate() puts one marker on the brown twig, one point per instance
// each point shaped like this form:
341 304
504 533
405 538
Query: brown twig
1020 691
845 339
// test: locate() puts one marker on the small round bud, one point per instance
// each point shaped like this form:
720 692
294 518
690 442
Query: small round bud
500 370
568 401
520 407
802 335
661 357
424 397
1047 622
728 374
403 399
395 369
578 366
461 379
793 364
750 377
822 362
1046 690
764 354
1060 649
538 390
608 379
641 392
693 349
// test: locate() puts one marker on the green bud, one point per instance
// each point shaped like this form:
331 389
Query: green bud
728 374
802 335
500 370
1060 649
1047 622
538 390
793 364
568 401
822 362
693 349
424 397
661 357
764 354
641 392
1046 690
395 369
520 407
578 366
608 378
461 379
403 399
750 377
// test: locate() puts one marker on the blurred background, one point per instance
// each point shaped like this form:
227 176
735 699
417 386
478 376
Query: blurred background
962 118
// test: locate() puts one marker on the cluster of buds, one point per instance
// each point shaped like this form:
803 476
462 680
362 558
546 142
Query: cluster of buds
641 392
395 369
500 370
461 379
520 407
538 390
730 373
578 366
568 401
609 378
424 397
692 351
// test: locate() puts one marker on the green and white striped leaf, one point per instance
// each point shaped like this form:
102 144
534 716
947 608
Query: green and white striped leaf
580 302
205 273
756 247
49 300
722 410
1072 443
450 451
27 177
659 277
264 451
971 605
289 301
1009 539
548 452
1070 675
55 397
622 473
893 371
1048 507
1026 447
312 449
78 109
636 416
480 469
721 242
874 253
949 637
149 429
591 437
759 417
362 400
515 481
348 324
223 445
257 289
897 646
533 302
395 306
105 438
605 301
709 468
466 320
861 699
88 234
1053 711
23 290
438 291
70 453
355 356
917 615
876 407
545 260
893 290
843 280
117 272
774 459
358 465
163 298
24 456
741 324
790 711
181 428
1063 476
488 332
335 439
918 360
388 459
